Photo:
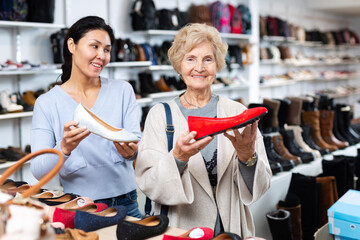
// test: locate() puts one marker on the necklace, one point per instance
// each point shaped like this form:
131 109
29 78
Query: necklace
190 103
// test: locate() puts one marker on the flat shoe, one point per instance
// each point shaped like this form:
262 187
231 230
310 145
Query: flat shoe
67 216
205 126
99 127
142 229
198 233
93 221
52 201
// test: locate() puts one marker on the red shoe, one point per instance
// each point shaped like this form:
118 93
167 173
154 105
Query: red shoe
198 233
205 126
66 216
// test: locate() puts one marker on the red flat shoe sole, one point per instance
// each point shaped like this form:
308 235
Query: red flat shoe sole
205 126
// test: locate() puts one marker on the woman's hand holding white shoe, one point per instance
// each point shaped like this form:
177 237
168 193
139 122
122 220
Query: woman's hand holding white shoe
127 150
72 136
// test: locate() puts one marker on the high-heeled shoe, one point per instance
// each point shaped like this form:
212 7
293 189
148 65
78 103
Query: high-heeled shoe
205 126
97 126
88 222
141 229
198 233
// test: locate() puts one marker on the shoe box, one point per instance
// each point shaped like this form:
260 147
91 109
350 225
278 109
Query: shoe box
344 216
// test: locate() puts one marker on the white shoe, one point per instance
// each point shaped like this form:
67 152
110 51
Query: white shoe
97 126
8 105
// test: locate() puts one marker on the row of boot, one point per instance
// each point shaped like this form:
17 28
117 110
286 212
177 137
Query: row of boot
299 130
304 210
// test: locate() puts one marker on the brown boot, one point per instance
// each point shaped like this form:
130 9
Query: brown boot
312 118
295 216
162 86
326 127
327 197
280 148
275 105
294 113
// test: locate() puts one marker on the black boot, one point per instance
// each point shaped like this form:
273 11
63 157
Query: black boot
283 112
280 224
294 148
343 123
274 156
265 122
147 85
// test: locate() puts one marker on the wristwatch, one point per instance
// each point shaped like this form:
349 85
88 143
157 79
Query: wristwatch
251 161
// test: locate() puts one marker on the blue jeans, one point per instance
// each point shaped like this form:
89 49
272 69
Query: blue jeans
129 200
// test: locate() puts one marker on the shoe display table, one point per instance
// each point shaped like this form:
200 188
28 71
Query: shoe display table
109 233
279 188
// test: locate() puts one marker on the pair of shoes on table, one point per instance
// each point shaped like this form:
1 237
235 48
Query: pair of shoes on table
205 126
99 127
67 216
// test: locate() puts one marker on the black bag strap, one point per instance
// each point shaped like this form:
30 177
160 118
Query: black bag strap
170 136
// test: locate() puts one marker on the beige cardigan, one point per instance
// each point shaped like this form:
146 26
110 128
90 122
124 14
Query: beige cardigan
190 195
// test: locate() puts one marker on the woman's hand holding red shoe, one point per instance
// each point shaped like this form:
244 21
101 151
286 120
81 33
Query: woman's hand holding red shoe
186 147
244 142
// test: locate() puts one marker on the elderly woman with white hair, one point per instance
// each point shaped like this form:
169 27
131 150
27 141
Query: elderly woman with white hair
210 181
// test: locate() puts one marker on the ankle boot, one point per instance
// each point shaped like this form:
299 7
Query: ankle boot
292 204
294 113
294 148
275 105
312 118
282 150
147 85
272 155
280 224
327 197
297 130
326 129
307 136
8 105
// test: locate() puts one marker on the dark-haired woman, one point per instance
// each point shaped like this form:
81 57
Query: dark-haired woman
95 167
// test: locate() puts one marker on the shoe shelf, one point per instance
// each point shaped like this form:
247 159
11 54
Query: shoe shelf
308 64
284 82
128 64
159 32
29 72
12 24
8 164
294 42
15 115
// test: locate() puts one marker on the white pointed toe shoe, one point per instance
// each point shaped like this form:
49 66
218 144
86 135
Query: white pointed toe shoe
97 126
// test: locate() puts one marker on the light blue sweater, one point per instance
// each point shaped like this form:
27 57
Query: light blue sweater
94 169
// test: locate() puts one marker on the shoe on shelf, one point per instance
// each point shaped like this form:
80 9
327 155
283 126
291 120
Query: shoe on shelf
141 229
97 126
205 126
8 105
198 233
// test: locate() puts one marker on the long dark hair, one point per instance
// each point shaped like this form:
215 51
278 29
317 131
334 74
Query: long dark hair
76 32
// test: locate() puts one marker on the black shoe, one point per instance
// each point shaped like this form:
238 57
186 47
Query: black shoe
294 148
141 229
272 155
